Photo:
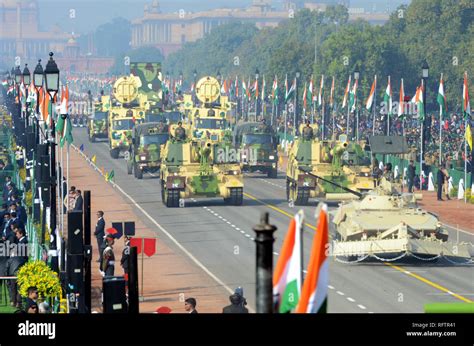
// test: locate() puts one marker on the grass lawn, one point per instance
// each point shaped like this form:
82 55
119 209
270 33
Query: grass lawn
5 307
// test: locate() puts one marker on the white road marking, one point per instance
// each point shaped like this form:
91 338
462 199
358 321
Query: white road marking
340 293
275 253
362 307
350 299
330 287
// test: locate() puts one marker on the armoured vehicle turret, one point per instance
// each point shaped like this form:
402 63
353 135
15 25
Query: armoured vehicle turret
330 160
145 150
127 110
385 223
195 161
257 143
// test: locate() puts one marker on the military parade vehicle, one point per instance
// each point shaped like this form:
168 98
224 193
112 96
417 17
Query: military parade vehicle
97 126
209 119
258 144
145 150
329 159
194 161
127 110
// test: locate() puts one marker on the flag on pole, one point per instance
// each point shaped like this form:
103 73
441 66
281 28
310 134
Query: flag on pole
419 102
466 104
401 101
353 96
314 292
264 85
236 86
254 89
443 105
321 91
287 275
387 99
245 90
346 92
310 90
468 135
305 94
224 88
331 97
275 90
4 83
291 91
370 99
110 176
94 159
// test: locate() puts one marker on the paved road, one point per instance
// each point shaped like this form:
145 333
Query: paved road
221 238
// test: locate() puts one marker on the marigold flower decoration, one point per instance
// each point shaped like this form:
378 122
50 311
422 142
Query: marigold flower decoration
39 275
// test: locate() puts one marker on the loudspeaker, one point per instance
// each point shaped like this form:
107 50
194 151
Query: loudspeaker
114 299
75 240
75 272
44 176
130 228
30 144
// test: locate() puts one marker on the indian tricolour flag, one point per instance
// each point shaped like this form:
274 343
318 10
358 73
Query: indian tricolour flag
346 92
315 288
321 91
466 104
388 98
401 101
443 105
287 275
275 90
370 99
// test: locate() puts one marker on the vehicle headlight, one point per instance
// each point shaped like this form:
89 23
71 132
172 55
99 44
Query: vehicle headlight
142 157
175 173
271 157
236 172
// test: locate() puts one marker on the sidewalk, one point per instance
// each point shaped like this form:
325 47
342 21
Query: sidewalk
455 212
169 276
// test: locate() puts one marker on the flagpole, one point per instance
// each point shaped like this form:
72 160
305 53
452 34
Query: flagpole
67 177
440 127
347 130
375 107
421 156
465 161
61 192
322 116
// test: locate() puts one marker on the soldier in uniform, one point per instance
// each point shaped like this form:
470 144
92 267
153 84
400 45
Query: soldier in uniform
388 174
180 132
108 256
307 131
125 256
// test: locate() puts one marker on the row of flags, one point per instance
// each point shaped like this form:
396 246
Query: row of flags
49 108
251 90
291 292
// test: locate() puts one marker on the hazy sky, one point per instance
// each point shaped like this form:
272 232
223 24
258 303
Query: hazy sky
91 13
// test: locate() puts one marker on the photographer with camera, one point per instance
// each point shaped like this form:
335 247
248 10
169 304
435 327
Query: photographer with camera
238 303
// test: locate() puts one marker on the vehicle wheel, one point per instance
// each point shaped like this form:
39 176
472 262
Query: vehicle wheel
129 168
172 198
138 172
302 196
273 173
114 153
236 196
163 192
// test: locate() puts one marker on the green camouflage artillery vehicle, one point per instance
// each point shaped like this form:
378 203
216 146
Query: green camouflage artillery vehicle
145 151
97 126
327 159
257 144
197 167
127 110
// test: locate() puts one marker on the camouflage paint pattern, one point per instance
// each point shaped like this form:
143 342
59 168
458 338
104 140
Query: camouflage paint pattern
149 74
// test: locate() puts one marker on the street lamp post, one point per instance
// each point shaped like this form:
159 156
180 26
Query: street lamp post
195 81
38 77
51 74
295 118
427 119
257 76
355 128
26 83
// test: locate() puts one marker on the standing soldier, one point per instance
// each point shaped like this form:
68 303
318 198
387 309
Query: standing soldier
125 256
100 232
108 257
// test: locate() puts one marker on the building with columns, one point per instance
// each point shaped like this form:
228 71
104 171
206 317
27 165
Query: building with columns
169 31
20 35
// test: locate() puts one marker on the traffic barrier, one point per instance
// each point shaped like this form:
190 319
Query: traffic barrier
430 182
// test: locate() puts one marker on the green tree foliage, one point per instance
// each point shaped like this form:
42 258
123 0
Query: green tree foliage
113 38
315 43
